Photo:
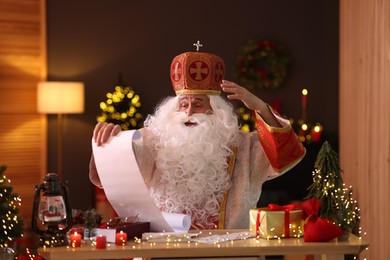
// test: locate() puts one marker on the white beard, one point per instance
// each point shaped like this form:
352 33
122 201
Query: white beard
192 162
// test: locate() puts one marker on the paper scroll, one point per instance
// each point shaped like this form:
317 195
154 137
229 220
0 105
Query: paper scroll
125 187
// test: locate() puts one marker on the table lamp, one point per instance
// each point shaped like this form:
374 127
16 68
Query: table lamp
55 97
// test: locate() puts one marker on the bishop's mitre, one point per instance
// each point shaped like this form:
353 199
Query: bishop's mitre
197 73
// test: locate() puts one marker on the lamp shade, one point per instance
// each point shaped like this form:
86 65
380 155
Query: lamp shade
60 97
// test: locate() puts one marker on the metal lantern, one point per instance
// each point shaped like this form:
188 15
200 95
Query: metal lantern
52 214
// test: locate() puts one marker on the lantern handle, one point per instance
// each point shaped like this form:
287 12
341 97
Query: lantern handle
69 218
34 226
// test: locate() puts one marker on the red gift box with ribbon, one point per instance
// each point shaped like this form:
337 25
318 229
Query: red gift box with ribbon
277 221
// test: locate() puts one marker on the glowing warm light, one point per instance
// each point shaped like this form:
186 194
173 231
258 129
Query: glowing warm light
121 108
60 97
305 92
317 128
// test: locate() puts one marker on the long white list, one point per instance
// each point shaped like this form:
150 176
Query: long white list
125 187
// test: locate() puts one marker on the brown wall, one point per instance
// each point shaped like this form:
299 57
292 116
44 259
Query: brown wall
94 40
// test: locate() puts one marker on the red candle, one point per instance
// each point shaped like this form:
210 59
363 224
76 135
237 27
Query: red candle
75 239
316 133
304 98
101 242
304 103
121 238
78 230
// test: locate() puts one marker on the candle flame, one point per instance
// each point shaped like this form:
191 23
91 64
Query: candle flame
317 129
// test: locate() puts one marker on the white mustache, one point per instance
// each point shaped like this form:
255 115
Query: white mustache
196 118
192 119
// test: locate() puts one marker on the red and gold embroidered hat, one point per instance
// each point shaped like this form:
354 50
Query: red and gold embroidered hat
197 73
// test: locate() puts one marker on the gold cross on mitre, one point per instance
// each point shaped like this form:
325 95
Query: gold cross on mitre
198 45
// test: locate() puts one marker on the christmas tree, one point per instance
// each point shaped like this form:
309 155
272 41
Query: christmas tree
337 203
122 108
11 226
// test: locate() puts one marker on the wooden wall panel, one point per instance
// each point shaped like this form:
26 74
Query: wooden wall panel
17 100
365 115
23 143
22 65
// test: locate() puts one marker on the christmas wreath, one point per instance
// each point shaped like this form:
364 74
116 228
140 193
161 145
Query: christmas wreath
262 65
121 107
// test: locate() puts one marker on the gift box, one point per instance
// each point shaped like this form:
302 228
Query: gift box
277 221
132 230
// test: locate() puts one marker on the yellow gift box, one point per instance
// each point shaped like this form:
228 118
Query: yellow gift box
277 221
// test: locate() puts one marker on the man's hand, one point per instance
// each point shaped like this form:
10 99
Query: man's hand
240 93
251 101
103 131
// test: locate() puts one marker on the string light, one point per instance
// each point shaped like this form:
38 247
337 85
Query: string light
199 237
347 211
12 224
121 107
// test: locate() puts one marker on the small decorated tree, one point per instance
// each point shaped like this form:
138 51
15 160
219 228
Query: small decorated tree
11 226
336 200
92 221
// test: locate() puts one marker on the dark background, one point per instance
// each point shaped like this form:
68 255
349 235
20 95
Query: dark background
94 40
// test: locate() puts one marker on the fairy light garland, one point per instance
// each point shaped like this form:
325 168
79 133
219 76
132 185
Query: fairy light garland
122 107
200 237
11 227
347 213
297 232
53 241
337 203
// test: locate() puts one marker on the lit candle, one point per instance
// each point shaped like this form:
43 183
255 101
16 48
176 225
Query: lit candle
121 238
101 242
304 98
303 131
75 239
316 133
78 230
304 103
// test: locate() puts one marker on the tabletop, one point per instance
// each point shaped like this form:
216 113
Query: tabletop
250 247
